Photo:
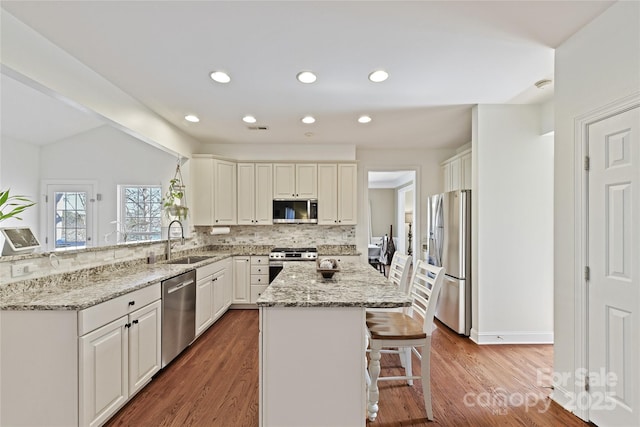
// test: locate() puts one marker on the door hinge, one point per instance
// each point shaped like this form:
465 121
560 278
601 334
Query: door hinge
46 199
587 273
586 383
586 163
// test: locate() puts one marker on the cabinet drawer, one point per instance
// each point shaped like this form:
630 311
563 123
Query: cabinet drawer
259 269
260 279
260 260
209 269
256 291
108 311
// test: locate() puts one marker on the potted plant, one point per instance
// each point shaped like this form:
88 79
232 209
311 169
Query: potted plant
174 201
12 206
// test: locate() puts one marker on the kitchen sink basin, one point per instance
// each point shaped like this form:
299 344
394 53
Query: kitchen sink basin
189 260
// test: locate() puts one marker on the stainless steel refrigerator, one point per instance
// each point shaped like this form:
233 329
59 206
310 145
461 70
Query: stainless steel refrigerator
449 245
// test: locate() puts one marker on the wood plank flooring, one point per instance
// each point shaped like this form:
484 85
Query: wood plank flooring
215 383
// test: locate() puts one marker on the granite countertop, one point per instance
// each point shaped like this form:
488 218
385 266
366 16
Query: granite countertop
82 290
355 285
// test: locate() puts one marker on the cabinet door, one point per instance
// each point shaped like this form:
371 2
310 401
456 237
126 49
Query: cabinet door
144 345
224 206
284 181
246 193
327 194
465 172
446 177
103 367
204 309
264 194
455 174
228 284
241 280
306 181
201 198
218 294
347 194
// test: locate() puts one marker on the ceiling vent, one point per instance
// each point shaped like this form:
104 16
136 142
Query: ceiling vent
257 128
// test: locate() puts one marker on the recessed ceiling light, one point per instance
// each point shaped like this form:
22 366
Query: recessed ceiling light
220 77
249 119
306 77
364 119
191 118
308 119
378 76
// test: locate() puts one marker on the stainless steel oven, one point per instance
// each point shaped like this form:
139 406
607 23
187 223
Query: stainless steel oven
279 255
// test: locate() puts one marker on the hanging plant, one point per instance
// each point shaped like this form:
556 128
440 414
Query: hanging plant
175 201
12 206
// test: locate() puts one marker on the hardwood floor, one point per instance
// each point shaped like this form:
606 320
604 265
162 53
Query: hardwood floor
215 383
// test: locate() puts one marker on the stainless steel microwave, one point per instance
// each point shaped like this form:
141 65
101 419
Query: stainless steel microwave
295 211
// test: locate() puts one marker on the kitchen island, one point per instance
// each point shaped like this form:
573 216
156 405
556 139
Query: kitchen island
312 344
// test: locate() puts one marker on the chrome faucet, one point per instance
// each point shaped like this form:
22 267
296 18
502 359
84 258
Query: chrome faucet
169 237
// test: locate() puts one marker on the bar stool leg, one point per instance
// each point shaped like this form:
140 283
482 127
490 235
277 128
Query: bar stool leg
374 373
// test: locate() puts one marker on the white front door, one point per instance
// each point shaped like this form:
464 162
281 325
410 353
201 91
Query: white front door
614 275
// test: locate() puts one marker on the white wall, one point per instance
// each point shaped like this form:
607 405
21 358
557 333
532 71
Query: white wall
383 207
513 219
19 171
596 66
111 158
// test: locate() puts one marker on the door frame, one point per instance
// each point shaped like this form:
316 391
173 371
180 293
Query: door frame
581 207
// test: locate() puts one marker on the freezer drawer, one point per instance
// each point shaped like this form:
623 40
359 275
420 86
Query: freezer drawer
454 305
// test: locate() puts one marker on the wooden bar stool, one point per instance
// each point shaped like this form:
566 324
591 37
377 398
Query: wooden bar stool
406 331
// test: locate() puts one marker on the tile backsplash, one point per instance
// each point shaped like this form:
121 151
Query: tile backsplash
283 235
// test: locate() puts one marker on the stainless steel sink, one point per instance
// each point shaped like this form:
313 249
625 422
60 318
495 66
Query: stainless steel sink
189 259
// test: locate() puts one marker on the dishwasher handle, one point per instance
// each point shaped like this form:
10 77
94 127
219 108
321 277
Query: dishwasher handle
180 286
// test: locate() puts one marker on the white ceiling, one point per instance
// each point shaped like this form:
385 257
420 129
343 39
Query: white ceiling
442 56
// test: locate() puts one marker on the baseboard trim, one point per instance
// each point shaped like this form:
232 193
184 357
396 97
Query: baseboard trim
513 337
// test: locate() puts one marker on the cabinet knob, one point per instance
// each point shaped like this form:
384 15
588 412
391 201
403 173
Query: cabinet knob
132 303
135 322
127 325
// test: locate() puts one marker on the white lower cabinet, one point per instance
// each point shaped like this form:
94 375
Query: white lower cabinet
116 361
213 293
77 368
259 276
241 280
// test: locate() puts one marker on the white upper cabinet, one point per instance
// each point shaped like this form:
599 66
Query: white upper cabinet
214 191
255 189
337 194
456 172
224 200
295 181
201 199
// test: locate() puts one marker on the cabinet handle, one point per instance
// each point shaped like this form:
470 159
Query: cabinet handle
127 325
132 303
135 322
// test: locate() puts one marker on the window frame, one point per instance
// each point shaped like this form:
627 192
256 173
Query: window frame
122 218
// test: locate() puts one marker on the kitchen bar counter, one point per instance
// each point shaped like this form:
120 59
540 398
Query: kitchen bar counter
355 285
77 291
312 344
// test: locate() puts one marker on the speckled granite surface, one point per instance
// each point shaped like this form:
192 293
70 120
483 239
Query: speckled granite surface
77 291
84 288
355 285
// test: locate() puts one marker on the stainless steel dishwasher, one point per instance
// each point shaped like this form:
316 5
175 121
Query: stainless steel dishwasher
178 315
